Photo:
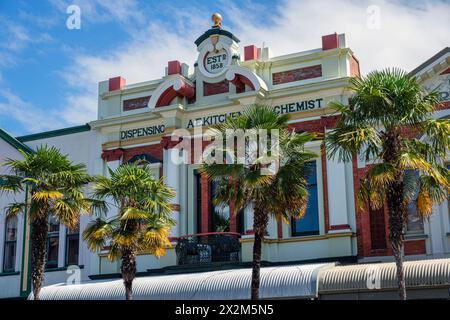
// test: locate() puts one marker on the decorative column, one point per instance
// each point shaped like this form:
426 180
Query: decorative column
337 196
206 204
113 160
248 219
172 168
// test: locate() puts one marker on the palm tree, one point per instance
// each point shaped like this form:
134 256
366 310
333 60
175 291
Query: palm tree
282 194
54 186
387 116
143 221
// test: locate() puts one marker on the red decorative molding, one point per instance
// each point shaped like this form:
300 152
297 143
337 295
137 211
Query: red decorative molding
443 105
297 74
279 228
330 41
174 67
446 71
171 93
112 155
240 82
233 217
137 103
354 67
116 83
206 204
326 207
210 89
154 150
250 53
168 143
340 227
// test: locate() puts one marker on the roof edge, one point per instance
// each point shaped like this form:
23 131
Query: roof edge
215 31
15 143
54 133
429 61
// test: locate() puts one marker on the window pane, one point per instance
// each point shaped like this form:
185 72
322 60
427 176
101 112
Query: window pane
415 221
75 230
53 224
309 224
448 202
72 250
11 229
220 215
198 203
377 228
9 261
52 252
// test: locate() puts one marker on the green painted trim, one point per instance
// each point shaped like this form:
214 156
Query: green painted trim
15 143
26 293
12 273
62 268
54 133
215 31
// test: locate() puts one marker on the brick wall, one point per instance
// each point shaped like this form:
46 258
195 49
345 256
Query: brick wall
210 89
413 247
137 103
367 223
297 74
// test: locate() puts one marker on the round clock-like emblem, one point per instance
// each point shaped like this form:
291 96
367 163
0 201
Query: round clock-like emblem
216 61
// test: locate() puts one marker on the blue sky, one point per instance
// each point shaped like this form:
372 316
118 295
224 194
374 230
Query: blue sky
49 74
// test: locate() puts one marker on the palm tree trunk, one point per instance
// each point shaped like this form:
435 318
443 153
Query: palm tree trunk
397 212
128 271
39 229
260 220
392 144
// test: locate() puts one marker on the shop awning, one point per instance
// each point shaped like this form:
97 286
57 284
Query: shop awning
366 277
295 281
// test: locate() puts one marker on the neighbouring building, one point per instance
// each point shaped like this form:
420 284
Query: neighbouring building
135 122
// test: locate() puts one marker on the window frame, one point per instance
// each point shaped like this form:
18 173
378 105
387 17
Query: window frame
447 165
294 232
69 236
408 232
52 264
8 242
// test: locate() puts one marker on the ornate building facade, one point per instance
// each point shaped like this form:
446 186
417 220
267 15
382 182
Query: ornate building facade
135 123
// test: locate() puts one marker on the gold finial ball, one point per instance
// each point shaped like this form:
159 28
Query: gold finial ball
217 19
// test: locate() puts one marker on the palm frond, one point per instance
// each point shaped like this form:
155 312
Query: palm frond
46 195
15 208
96 234
133 214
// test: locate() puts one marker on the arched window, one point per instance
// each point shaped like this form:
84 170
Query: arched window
9 256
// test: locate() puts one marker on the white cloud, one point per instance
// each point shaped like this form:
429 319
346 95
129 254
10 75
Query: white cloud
28 115
98 11
15 36
408 36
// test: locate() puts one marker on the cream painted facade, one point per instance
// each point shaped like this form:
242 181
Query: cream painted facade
136 121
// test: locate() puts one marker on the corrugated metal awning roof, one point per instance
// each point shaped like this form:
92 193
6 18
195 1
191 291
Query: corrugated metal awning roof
297 281
418 274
